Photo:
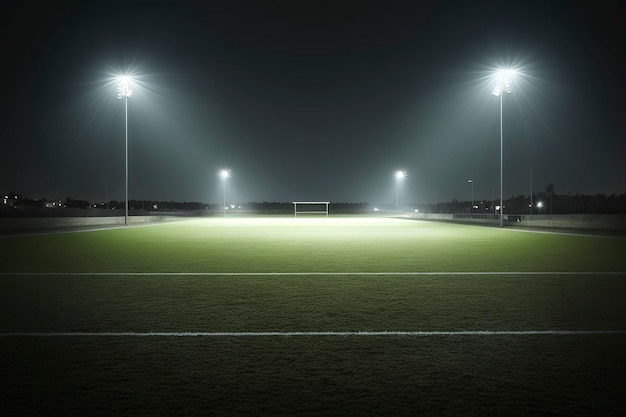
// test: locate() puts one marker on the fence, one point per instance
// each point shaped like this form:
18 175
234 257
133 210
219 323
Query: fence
577 221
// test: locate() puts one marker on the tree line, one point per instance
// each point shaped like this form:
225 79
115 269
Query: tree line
548 201
543 202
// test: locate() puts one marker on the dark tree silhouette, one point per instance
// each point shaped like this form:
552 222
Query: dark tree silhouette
550 190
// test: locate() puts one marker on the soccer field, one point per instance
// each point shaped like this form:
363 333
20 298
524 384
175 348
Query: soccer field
312 316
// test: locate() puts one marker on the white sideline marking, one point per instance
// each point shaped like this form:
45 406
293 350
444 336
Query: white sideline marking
274 334
87 229
242 274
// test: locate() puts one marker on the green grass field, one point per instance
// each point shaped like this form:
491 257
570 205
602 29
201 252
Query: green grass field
312 316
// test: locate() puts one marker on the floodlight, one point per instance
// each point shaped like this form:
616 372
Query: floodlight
399 176
123 87
504 77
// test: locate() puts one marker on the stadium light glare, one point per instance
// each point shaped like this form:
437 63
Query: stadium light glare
504 79
539 206
399 177
123 92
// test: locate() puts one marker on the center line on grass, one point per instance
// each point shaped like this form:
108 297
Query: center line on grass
347 333
354 273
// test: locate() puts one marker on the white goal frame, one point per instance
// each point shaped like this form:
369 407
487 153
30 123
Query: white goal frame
317 203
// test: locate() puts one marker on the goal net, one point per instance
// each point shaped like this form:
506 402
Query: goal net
310 207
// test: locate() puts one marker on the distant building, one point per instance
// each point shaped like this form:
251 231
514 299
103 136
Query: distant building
10 200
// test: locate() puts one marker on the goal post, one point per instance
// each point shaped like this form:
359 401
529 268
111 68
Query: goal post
310 207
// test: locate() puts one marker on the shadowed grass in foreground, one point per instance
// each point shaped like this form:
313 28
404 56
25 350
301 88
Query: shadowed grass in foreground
403 376
311 303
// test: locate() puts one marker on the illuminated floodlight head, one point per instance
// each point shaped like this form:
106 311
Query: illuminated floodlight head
224 173
504 79
399 175
123 86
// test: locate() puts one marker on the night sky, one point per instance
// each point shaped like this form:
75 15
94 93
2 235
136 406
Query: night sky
311 100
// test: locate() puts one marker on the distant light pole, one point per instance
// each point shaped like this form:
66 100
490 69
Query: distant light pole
504 85
530 206
399 177
472 184
124 91
224 174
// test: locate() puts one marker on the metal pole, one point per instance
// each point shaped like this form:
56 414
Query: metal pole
224 196
501 164
472 207
126 205
397 193
530 209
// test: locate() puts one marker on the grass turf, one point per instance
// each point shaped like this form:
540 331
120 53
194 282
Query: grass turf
406 375
310 245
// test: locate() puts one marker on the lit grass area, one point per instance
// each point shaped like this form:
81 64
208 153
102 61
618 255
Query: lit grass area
513 375
310 245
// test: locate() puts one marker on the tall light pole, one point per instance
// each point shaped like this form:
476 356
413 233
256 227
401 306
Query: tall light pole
399 177
224 174
504 77
472 184
124 91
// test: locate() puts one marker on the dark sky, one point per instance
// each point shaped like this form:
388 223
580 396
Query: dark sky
311 100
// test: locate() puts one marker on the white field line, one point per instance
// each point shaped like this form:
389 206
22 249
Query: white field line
347 333
552 232
338 273
83 229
